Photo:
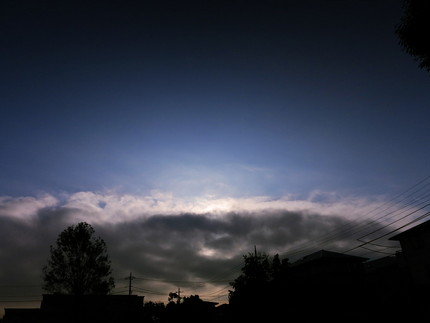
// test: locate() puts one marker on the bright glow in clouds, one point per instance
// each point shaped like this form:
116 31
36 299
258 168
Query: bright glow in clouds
25 207
114 208
165 239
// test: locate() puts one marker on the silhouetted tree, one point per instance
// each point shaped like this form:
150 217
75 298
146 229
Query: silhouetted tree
255 274
414 31
191 309
254 290
173 296
153 312
79 263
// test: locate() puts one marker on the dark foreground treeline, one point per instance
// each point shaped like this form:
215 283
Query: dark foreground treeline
324 286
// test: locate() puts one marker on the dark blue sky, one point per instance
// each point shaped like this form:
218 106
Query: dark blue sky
189 132
244 99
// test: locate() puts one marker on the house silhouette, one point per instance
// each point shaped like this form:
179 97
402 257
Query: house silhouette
415 243
323 285
83 308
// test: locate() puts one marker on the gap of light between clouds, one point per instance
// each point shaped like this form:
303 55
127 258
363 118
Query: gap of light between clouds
111 208
161 235
162 226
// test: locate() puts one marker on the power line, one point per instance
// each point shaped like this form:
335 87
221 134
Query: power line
378 251
20 286
182 281
17 296
399 208
391 232
350 229
149 291
397 220
21 301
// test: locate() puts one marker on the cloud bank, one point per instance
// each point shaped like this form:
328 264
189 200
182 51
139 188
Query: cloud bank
167 242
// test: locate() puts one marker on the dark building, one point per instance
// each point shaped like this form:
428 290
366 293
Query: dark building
86 308
326 285
328 267
22 315
397 286
415 244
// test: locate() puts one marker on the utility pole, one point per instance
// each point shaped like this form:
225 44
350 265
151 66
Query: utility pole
130 278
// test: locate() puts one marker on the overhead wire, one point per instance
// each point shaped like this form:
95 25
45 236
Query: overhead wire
371 219
400 207
375 215
21 301
181 281
391 232
395 221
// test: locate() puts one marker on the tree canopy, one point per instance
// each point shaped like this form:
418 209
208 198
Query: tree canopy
257 287
414 31
78 264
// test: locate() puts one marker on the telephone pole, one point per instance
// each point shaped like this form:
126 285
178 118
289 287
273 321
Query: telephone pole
130 278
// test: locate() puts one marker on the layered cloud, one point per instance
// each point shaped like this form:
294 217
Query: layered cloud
168 242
